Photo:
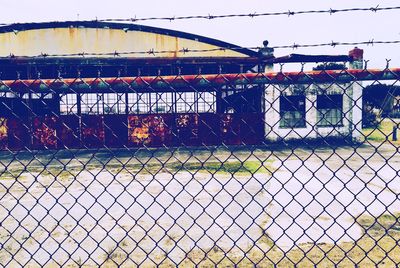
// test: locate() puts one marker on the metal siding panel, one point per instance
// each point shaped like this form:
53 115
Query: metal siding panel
73 40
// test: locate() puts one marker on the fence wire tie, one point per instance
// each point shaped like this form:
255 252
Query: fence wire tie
366 64
388 63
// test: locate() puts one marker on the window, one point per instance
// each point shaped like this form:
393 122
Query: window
292 111
206 102
68 104
329 110
185 102
138 103
132 103
37 96
114 103
8 95
143 103
92 103
161 102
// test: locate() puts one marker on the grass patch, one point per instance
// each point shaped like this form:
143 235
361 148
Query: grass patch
384 132
377 247
236 167
229 167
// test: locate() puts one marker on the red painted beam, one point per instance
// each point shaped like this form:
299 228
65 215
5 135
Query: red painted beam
201 81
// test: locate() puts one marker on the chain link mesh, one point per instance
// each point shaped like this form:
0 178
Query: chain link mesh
291 169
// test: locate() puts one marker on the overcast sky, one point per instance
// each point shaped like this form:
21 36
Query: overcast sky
282 30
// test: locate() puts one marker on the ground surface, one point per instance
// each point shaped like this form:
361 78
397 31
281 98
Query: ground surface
146 207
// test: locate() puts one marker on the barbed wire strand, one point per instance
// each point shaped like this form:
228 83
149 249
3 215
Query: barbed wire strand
188 50
288 13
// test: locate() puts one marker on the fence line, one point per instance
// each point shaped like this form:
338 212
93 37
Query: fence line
264 169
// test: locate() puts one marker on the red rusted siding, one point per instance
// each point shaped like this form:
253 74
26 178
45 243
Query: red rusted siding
149 130
115 130
45 132
209 129
92 131
69 134
187 129
18 134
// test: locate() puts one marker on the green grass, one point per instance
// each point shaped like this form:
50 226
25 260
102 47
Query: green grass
383 133
236 167
230 167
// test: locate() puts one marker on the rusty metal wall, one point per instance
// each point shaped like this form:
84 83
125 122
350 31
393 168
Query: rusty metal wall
75 40
118 131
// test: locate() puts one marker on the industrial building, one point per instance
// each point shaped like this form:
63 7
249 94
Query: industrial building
70 112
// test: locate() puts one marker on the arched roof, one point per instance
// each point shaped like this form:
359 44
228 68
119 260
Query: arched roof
76 37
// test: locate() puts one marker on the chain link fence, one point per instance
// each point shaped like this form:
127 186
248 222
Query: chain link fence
255 169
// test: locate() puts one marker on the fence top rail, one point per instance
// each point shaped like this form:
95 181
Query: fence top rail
207 81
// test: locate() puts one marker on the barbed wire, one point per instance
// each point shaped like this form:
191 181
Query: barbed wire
153 52
334 44
288 13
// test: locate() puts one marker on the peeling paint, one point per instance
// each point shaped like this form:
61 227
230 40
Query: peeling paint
153 130
116 131
50 41
3 133
45 132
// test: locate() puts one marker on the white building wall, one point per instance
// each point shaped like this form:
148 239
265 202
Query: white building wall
352 111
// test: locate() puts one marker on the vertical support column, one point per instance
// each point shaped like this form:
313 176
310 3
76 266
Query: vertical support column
356 103
394 138
270 96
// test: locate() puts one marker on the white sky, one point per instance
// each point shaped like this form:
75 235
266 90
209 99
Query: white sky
281 30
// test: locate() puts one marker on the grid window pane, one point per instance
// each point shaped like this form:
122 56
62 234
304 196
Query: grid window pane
132 103
68 104
206 102
92 103
292 111
329 110
114 103
165 103
185 102
143 103
161 102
